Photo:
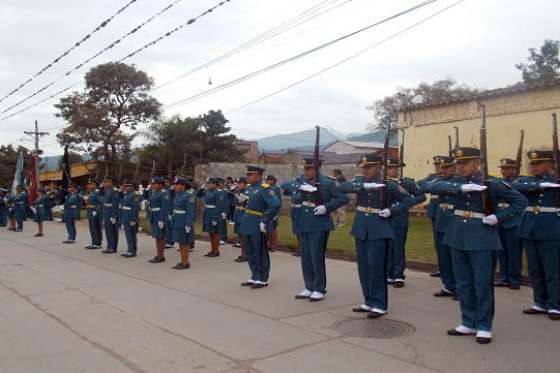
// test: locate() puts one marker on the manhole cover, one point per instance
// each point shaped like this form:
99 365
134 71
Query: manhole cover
378 329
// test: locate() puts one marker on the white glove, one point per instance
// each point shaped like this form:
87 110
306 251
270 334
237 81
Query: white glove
549 185
320 210
473 188
160 224
113 220
33 209
214 223
224 215
373 185
490 220
307 188
385 213
242 197
187 230
262 226
94 213
132 223
169 217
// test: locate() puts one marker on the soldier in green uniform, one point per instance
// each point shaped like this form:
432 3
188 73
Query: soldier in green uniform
129 218
261 207
510 256
540 230
396 262
434 202
443 216
94 206
211 215
39 211
373 231
474 239
320 197
70 213
272 227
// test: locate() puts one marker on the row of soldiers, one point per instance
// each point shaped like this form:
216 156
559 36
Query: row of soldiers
468 240
16 208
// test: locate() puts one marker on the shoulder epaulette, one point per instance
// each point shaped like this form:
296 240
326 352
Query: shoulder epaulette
265 185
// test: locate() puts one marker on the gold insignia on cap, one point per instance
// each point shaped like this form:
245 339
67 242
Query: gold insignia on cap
504 162
533 155
458 153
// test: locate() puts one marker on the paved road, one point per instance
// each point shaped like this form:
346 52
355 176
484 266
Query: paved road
65 309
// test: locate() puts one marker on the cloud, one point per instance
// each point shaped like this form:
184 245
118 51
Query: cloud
477 42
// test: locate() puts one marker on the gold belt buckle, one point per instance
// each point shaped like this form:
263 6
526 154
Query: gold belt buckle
537 209
467 214
369 210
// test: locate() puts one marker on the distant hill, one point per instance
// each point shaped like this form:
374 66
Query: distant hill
305 140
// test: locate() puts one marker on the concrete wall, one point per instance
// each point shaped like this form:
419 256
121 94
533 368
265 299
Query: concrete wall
427 129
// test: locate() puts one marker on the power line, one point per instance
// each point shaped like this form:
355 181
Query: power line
307 15
330 67
155 41
102 51
297 57
76 45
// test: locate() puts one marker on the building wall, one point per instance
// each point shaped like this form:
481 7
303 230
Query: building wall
427 129
249 148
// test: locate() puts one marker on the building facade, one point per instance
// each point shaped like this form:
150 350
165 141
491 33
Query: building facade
509 110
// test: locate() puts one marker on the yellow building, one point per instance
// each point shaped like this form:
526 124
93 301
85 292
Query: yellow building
508 111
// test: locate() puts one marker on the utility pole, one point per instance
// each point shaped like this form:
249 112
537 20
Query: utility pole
37 135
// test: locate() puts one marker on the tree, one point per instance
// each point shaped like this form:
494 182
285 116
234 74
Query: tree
385 111
8 158
202 139
115 99
543 64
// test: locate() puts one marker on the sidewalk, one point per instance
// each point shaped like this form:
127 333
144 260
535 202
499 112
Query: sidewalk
66 309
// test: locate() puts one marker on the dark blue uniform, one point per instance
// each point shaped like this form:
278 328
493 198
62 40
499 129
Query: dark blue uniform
314 229
129 218
94 215
3 208
474 245
224 202
396 259
70 214
110 218
373 234
261 207
50 202
540 230
168 196
184 211
273 224
212 212
40 211
19 202
432 208
239 212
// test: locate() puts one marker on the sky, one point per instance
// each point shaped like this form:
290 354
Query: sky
477 42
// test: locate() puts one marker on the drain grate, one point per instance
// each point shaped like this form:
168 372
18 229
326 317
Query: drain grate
376 329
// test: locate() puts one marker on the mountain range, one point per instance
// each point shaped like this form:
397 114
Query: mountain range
305 140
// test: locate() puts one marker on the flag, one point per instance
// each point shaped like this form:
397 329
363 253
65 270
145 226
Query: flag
32 180
65 175
18 175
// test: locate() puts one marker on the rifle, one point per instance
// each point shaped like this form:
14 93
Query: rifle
519 158
450 146
555 151
184 164
384 194
317 166
401 156
486 201
456 137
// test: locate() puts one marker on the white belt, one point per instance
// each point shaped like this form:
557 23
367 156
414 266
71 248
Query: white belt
308 204
71 206
503 205
91 206
446 206
126 208
156 209
179 212
296 206
537 209
368 210
107 204
434 196
469 214
210 206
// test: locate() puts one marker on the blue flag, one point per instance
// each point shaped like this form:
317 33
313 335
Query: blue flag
18 175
